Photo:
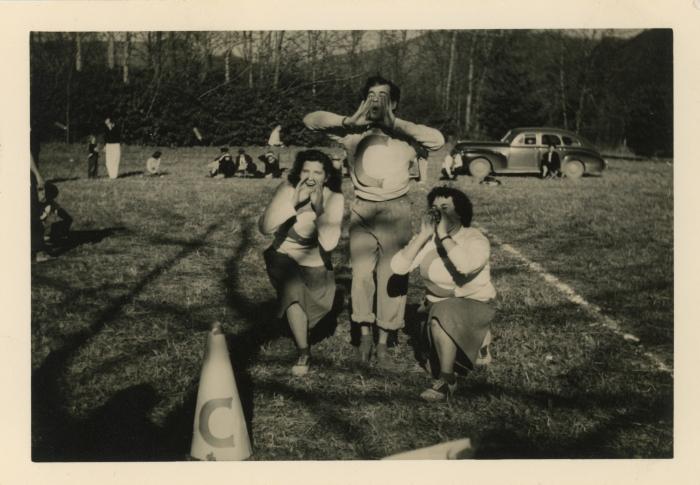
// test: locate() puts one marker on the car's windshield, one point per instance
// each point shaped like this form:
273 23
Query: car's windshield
507 138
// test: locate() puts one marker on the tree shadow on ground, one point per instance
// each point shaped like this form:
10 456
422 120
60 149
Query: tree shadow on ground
78 238
260 324
119 430
609 413
333 422
62 179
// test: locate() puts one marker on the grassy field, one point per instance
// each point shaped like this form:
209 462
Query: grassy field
119 322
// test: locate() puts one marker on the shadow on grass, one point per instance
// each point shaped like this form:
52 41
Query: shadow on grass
78 238
595 413
119 430
646 308
134 173
62 179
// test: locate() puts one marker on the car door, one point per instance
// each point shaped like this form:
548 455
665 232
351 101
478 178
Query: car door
523 153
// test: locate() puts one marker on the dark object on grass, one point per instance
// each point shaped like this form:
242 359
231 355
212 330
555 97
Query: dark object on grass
133 173
488 180
80 237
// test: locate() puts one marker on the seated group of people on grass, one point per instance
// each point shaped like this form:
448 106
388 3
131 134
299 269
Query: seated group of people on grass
225 166
305 217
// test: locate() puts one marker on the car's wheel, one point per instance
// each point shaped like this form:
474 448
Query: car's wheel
573 169
479 168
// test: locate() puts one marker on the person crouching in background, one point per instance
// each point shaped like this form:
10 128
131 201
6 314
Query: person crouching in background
305 216
271 164
223 165
56 220
550 165
153 164
451 165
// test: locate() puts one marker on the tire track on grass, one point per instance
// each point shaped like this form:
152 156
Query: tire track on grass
570 294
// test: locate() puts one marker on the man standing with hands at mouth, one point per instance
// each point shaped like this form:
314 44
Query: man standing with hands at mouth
380 147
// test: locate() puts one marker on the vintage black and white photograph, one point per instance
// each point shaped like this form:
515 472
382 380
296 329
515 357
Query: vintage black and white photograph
352 244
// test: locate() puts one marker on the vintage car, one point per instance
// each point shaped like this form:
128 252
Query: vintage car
521 150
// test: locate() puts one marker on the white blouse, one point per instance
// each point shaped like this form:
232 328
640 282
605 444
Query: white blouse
301 242
469 272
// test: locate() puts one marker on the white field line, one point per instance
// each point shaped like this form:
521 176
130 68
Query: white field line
571 295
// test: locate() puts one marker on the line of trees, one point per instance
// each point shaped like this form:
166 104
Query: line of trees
235 86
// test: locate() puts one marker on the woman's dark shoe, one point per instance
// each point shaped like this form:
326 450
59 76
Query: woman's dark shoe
439 391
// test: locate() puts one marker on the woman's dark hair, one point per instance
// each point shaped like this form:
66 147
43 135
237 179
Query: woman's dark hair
156 154
463 206
394 90
50 191
333 181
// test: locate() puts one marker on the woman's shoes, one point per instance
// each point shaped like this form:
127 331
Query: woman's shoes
439 391
301 368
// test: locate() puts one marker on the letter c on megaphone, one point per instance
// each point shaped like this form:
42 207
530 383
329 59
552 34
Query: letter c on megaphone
207 410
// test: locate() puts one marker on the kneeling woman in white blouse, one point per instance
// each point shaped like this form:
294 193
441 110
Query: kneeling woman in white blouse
454 263
305 215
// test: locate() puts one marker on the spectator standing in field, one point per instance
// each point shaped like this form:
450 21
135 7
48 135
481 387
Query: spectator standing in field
112 148
153 164
223 165
275 139
304 215
550 165
93 156
380 147
454 264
